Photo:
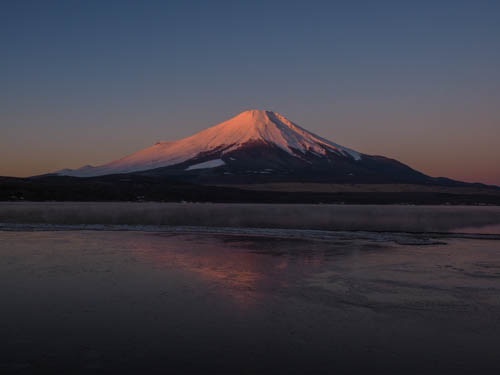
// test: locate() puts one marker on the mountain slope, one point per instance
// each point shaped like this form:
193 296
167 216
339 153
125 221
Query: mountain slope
248 127
259 146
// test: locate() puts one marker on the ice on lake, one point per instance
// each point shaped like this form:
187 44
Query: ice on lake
247 300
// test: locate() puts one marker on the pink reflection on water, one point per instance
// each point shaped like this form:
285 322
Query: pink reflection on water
232 273
230 269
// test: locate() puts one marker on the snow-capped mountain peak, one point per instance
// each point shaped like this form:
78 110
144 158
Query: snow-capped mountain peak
249 127
271 127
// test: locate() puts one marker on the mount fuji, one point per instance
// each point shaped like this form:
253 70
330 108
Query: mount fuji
258 146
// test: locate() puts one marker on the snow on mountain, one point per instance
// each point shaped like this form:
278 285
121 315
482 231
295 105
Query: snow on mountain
207 164
247 127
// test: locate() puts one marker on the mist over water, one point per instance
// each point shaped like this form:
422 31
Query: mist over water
484 219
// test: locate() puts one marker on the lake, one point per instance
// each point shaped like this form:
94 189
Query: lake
197 299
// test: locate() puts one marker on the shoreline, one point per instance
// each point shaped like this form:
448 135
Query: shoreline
401 238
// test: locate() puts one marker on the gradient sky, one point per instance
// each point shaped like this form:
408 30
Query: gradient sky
87 82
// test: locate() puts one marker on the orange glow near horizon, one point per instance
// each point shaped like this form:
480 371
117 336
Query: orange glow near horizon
461 154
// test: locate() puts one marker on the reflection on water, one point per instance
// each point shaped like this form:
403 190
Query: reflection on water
118 302
233 266
234 272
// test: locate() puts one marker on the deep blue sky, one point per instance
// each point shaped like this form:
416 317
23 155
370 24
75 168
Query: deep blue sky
86 82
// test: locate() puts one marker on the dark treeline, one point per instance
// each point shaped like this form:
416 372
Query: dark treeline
144 188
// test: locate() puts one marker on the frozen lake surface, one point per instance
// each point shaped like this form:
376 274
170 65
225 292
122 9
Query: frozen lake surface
247 300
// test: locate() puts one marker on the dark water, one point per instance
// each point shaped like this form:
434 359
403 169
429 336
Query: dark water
136 302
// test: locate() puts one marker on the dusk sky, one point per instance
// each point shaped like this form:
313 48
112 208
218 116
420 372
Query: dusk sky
87 82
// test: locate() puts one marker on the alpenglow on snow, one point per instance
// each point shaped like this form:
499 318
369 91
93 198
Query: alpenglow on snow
247 128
